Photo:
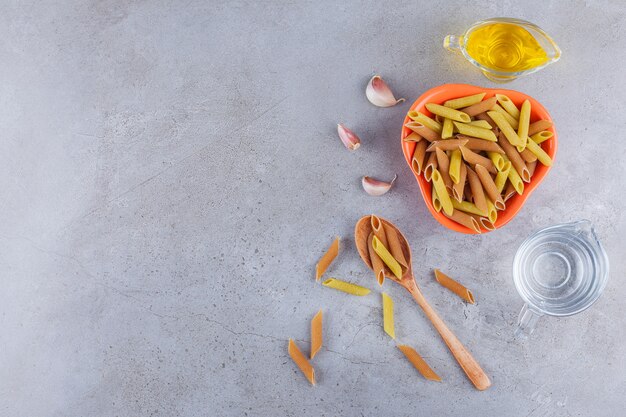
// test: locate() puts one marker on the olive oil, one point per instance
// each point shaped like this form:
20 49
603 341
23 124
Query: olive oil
505 47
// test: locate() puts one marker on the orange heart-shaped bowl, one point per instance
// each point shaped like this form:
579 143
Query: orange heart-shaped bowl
449 91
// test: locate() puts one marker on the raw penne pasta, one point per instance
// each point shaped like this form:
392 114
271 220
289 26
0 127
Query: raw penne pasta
388 323
492 213
316 333
505 128
510 190
425 132
442 192
431 165
539 126
378 266
457 189
516 181
524 120
346 287
454 286
541 136
464 219
502 176
448 113
446 129
527 155
379 229
542 156
455 166
508 105
473 158
387 258
486 118
419 363
497 160
447 145
467 193
425 120
466 101
436 201
486 223
476 132
481 107
302 362
480 123
490 187
510 119
444 168
531 167
515 158
395 248
419 154
478 193
468 207
327 259
413 137
480 144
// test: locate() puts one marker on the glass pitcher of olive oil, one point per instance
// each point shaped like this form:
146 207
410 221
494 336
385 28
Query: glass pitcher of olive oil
504 49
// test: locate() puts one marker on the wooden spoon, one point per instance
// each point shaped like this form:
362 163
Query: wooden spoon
472 369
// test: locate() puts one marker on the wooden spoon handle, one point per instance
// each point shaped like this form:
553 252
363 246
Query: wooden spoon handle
472 369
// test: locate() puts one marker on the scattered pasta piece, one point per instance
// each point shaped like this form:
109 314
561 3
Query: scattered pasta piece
316 334
454 286
388 323
419 363
327 259
301 361
387 258
346 287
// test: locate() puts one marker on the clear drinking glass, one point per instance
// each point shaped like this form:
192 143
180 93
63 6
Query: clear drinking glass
559 271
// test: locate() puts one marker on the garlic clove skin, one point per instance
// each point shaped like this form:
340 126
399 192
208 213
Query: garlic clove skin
348 137
376 187
379 93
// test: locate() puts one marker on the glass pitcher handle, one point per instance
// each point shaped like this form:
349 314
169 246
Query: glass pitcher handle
452 43
526 322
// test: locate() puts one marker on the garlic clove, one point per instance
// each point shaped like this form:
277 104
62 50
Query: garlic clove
379 93
376 187
348 137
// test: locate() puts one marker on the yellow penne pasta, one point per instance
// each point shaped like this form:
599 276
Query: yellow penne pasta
476 132
481 107
516 181
395 247
454 286
346 287
316 333
542 156
424 131
419 154
299 359
480 123
502 176
497 160
492 212
431 165
378 266
478 194
436 201
446 129
455 166
539 126
388 324
490 187
327 259
486 118
466 101
412 137
442 192
505 128
473 159
464 219
510 119
448 113
419 363
467 207
457 189
444 168
524 120
541 136
425 120
387 258
508 105
448 144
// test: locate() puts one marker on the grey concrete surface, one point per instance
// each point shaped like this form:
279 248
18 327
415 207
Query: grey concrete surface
170 174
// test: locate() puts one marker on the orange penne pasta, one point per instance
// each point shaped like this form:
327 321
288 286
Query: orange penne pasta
476 144
531 167
459 187
396 248
327 259
444 167
528 156
300 360
431 165
316 334
515 158
490 187
419 363
538 126
379 229
419 154
377 264
454 286
473 158
446 144
413 137
481 107
509 192
464 219
485 117
423 131
478 193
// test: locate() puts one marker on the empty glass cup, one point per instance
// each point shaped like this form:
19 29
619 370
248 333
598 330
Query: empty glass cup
559 271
